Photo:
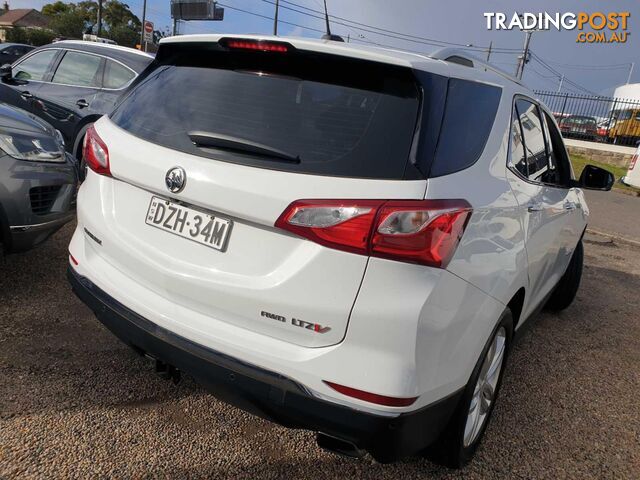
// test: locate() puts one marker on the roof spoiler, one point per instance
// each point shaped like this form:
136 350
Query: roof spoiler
461 57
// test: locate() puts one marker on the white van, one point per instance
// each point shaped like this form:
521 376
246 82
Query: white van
632 178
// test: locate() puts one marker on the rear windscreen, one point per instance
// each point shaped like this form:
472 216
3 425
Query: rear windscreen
298 112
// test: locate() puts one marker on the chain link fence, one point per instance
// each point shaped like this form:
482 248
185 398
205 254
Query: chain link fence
596 119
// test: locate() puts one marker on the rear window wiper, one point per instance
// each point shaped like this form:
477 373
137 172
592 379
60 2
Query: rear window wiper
241 145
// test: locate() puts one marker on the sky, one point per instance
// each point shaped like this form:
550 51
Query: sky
586 67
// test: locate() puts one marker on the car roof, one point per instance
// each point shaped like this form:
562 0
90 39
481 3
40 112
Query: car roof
435 62
8 44
131 57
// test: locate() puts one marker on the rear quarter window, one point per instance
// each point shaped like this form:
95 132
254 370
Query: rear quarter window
469 114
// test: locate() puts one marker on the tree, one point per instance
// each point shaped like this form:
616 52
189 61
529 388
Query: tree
17 35
52 10
39 36
68 24
72 20
117 14
31 36
124 35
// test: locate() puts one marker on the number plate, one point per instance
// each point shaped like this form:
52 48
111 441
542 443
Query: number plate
204 228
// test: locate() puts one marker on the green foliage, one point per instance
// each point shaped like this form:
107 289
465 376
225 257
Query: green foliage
54 9
124 35
39 36
68 25
30 36
17 35
72 20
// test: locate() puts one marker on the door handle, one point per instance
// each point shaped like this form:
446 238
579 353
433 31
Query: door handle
82 103
26 95
535 207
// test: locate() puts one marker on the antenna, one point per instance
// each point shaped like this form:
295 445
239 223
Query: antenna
329 35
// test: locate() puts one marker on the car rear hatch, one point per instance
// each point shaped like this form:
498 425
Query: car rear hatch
234 135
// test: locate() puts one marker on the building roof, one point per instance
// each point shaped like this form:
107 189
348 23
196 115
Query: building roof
24 17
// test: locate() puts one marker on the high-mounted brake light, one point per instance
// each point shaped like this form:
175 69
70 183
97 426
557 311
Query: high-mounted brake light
416 231
372 397
96 153
255 45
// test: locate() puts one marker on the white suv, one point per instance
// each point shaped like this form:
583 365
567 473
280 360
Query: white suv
337 238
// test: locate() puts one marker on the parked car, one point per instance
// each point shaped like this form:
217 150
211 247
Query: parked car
71 84
10 52
334 237
38 180
632 178
603 129
579 126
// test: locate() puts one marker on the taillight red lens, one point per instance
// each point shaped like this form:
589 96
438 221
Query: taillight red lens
416 231
341 224
634 159
255 45
96 153
372 397
424 232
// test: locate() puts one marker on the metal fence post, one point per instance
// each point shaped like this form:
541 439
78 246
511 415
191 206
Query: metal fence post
564 104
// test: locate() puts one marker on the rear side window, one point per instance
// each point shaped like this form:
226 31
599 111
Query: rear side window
518 157
468 118
533 139
36 66
116 75
78 69
297 112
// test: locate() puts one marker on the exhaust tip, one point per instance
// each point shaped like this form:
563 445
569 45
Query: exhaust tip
336 445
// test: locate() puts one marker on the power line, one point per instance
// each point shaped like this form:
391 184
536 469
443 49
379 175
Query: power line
591 67
559 75
266 17
381 31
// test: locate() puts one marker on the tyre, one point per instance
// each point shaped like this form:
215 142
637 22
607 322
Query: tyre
460 439
567 287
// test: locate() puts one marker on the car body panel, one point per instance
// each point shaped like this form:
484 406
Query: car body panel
51 185
59 104
397 329
632 178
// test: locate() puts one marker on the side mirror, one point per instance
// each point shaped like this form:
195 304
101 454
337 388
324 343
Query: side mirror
5 71
596 178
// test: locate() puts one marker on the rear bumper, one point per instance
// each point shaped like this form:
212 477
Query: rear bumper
266 393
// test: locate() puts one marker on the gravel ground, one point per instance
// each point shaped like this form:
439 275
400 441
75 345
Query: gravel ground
76 403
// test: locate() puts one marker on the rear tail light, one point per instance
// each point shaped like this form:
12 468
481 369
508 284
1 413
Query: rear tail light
417 231
634 159
372 397
96 153
255 45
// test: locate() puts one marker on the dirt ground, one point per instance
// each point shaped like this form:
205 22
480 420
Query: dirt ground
76 403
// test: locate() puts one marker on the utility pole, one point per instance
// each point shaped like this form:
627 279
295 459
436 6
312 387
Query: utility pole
489 51
630 72
143 44
525 54
175 27
275 19
99 17
561 82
